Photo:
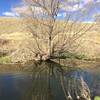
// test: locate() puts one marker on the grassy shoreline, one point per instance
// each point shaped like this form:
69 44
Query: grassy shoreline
70 63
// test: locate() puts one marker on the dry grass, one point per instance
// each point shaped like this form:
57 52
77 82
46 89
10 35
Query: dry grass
11 25
20 40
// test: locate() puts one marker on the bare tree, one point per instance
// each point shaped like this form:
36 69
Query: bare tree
97 17
53 25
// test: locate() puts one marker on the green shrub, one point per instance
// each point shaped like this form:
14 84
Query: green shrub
75 55
4 60
97 98
80 56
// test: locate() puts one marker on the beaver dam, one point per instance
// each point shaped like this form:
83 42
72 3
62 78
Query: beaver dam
48 81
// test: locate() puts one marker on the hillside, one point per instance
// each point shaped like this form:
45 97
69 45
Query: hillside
10 25
19 39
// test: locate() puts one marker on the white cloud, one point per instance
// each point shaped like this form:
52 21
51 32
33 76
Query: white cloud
88 1
73 1
28 10
61 15
75 5
10 14
71 8
23 9
97 1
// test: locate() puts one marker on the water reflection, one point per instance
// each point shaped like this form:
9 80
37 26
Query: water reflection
51 82
15 86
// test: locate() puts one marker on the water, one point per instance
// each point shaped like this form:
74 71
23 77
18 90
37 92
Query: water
48 81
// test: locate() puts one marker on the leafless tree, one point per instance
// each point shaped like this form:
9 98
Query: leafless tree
58 34
97 17
97 23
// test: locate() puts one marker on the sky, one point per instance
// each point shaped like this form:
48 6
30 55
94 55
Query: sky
7 5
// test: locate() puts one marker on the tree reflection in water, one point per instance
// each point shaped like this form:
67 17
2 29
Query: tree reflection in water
52 82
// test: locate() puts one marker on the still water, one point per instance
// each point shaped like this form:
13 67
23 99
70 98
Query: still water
49 81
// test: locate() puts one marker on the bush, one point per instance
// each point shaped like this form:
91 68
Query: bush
97 98
80 56
75 55
4 60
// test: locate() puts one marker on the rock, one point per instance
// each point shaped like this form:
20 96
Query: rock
69 97
45 57
78 97
37 57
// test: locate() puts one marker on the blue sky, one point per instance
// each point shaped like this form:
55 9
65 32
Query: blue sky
6 5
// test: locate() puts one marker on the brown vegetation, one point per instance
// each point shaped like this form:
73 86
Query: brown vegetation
51 36
23 41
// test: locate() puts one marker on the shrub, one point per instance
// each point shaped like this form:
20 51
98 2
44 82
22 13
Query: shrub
97 98
4 60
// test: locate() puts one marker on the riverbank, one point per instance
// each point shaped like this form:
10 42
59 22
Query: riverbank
93 66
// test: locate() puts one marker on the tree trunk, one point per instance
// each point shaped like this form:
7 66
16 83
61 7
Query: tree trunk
49 42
